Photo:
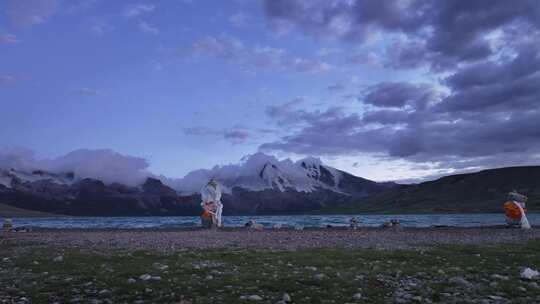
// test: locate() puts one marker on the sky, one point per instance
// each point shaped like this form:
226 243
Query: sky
387 90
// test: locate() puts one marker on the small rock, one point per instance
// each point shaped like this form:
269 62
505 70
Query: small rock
131 280
357 296
320 276
499 277
459 281
286 298
311 268
58 259
145 277
159 266
529 274
104 292
155 278
252 298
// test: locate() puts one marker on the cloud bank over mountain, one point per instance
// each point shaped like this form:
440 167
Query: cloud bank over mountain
105 165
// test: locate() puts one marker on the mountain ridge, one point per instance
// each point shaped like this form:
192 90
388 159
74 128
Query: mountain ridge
258 184
262 184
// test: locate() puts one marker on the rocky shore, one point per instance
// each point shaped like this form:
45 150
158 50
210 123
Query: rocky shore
281 239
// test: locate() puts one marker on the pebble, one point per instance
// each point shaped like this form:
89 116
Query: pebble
459 281
131 280
145 277
251 298
320 276
286 298
357 296
104 292
499 277
529 274
58 259
159 266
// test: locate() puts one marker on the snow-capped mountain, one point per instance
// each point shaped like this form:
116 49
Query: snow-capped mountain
10 177
259 172
258 184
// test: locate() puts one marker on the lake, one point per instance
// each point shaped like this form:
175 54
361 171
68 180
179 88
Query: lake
371 220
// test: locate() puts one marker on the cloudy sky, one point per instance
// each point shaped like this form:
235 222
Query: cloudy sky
388 90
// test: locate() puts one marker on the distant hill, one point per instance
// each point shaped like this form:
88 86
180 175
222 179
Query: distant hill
8 211
483 191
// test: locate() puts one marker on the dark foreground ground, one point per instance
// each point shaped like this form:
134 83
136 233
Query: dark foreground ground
439 265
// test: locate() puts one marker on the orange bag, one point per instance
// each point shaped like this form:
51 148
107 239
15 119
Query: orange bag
512 211
206 214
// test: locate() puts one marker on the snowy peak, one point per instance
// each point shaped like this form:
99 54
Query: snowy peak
259 171
274 177
10 177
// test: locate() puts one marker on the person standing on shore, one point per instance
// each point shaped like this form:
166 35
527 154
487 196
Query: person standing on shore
211 202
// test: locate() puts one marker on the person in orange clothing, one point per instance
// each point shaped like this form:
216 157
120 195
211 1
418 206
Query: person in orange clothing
515 209
211 203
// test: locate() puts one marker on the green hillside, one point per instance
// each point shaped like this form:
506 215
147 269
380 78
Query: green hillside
8 211
483 191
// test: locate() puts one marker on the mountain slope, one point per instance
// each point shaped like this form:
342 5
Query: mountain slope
259 184
483 191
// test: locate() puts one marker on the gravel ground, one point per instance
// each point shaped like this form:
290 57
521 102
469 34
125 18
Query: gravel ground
170 240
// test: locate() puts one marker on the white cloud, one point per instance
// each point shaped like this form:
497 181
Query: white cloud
234 51
31 12
8 39
6 79
147 28
86 92
99 27
106 165
136 10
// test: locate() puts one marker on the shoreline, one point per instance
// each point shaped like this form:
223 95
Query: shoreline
266 229
170 240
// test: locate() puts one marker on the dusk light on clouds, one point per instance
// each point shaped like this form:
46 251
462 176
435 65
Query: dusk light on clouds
386 90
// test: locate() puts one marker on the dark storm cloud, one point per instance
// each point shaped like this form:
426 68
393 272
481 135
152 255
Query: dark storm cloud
234 135
237 135
439 33
422 126
503 86
485 110
399 94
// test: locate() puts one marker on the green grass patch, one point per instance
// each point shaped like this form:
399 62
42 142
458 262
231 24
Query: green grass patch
309 276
